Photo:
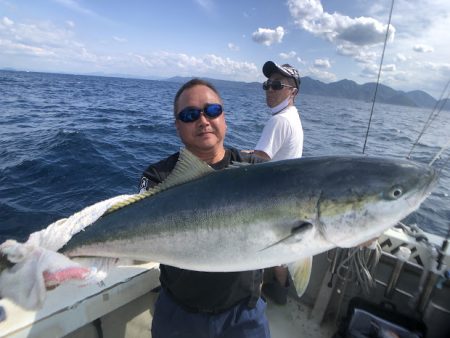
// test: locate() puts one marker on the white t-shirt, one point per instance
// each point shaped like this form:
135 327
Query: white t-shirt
282 136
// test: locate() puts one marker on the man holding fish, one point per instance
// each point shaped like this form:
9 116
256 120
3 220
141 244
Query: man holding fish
205 304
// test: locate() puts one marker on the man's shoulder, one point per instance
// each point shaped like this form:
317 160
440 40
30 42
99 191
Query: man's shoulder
288 112
157 172
288 119
165 164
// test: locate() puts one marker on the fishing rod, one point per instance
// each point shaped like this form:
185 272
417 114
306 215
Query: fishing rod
379 74
431 118
433 115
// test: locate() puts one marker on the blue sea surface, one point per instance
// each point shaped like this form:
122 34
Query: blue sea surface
68 141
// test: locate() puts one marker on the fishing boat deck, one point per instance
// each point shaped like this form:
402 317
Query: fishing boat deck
293 320
124 304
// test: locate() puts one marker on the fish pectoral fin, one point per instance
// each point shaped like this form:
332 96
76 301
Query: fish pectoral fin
301 273
298 229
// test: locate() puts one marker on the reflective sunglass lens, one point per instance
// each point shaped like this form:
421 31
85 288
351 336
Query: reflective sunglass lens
275 85
191 114
213 110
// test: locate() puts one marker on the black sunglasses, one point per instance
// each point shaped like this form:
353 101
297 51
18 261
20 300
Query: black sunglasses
191 114
275 85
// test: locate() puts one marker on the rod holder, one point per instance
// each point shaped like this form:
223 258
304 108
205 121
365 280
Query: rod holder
403 255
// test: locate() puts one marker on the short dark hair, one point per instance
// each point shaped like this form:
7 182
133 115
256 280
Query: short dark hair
190 84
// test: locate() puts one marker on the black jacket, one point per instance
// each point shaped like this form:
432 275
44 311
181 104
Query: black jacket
209 292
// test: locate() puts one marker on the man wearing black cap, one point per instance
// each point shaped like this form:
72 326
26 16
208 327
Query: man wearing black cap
281 139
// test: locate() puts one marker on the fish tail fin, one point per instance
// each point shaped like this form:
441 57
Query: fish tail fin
301 273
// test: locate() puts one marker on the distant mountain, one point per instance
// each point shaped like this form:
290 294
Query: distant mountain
349 90
421 98
123 76
215 82
445 104
9 69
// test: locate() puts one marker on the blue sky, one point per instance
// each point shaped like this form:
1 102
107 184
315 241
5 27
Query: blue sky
327 40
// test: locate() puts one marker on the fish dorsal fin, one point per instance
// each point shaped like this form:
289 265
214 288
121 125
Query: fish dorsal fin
188 167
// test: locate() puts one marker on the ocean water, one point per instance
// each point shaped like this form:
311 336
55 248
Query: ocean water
68 141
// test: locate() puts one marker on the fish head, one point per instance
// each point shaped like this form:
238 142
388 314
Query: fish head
362 197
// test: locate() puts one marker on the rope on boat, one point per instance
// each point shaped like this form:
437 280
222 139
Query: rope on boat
379 74
358 266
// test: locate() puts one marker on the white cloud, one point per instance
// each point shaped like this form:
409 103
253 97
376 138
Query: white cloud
7 21
205 4
400 57
359 38
366 56
165 63
389 68
70 23
361 54
321 74
14 48
43 40
75 6
57 48
233 47
369 71
288 55
119 39
423 49
322 63
267 36
310 16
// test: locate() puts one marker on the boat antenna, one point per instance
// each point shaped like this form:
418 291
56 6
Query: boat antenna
379 74
434 113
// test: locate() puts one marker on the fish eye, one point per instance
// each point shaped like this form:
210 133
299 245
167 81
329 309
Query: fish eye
395 192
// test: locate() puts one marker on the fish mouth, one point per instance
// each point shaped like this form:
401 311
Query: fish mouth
428 182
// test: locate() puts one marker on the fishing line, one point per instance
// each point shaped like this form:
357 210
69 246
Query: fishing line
379 74
438 155
439 103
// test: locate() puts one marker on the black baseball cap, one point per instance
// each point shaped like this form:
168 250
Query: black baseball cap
287 70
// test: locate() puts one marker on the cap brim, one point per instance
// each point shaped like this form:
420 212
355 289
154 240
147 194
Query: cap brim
271 67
